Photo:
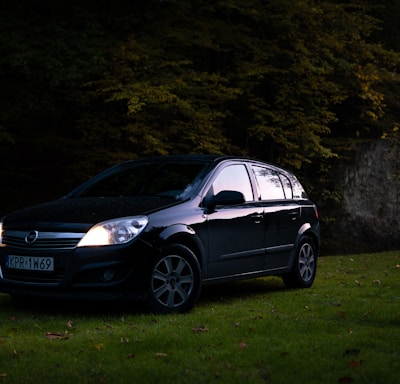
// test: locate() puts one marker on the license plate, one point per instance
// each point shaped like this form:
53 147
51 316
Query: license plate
31 263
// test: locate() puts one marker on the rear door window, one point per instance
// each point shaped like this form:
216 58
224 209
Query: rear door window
269 183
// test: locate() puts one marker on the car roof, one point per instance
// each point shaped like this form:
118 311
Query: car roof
211 158
186 157
203 158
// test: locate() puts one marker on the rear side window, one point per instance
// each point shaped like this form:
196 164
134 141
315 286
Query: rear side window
269 183
298 190
287 187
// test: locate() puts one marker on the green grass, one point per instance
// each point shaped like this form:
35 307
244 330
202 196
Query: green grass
346 328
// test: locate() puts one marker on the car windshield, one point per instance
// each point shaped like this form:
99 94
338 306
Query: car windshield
175 180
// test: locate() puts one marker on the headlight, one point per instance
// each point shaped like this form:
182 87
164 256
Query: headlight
113 232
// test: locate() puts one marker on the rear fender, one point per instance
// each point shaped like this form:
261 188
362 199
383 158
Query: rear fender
305 228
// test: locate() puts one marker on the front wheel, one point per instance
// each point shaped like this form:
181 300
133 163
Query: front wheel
175 281
304 267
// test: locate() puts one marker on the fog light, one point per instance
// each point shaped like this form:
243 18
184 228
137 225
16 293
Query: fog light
108 275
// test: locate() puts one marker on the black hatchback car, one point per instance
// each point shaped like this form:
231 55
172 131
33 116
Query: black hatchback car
159 228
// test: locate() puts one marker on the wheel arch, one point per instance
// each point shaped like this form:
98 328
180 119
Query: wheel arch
184 235
305 230
295 277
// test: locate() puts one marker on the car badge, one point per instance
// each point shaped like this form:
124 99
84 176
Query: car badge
31 237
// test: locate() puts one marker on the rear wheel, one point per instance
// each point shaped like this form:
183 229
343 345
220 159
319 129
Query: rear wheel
175 281
304 267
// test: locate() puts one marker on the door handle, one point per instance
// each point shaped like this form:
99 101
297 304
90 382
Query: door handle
294 214
257 217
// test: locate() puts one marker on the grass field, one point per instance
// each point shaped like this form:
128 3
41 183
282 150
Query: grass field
345 329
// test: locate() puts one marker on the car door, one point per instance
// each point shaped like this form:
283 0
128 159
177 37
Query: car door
281 215
236 234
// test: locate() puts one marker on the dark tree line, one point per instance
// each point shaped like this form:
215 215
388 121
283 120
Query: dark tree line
89 83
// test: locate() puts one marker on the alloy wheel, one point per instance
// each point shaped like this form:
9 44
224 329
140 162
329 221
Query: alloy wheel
306 262
172 281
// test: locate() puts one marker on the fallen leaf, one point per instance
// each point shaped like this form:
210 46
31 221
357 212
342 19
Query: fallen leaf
343 315
70 325
57 335
200 329
355 363
3 374
242 345
130 355
376 281
99 346
160 354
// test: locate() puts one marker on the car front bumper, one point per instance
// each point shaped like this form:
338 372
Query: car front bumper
101 273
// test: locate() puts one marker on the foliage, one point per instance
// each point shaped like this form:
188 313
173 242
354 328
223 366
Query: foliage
344 329
298 83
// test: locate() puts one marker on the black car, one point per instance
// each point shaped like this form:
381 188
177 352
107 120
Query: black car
159 228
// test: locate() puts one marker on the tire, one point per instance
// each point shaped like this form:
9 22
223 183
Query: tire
304 267
175 281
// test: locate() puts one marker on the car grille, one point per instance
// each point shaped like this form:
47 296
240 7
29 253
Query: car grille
44 240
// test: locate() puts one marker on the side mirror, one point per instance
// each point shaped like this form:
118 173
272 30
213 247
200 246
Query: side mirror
229 198
226 198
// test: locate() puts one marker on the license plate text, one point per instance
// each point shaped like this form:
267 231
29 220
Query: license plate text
31 263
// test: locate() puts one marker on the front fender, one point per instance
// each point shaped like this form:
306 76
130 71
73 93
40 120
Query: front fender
172 230
185 235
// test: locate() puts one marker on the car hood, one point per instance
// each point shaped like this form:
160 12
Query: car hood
80 213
